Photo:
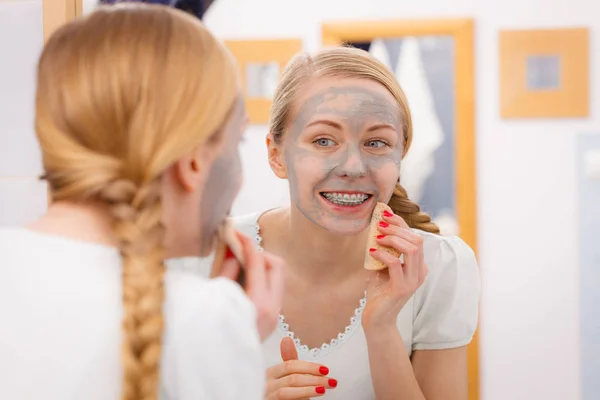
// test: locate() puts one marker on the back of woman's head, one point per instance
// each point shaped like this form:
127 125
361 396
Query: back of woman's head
346 62
124 93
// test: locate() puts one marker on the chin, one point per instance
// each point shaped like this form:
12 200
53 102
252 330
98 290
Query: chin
344 227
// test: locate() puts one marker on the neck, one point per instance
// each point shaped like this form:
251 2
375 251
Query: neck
319 255
88 222
92 222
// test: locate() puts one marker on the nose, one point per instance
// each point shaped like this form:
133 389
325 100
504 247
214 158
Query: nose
353 165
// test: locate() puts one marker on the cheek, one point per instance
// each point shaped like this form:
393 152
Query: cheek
306 169
386 178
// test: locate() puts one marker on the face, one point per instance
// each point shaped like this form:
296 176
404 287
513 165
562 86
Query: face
224 178
342 152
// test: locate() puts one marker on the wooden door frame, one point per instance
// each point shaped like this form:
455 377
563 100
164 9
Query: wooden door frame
461 29
55 14
59 12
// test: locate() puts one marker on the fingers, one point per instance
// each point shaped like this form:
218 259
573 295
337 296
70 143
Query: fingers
255 268
408 243
264 284
295 379
301 381
231 269
288 349
391 228
297 393
395 219
296 367
396 269
410 270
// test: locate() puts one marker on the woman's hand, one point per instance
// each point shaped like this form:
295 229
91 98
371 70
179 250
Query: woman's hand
294 379
264 283
389 290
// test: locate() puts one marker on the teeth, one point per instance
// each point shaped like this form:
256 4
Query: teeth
345 199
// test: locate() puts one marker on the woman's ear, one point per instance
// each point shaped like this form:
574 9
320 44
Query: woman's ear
190 170
276 160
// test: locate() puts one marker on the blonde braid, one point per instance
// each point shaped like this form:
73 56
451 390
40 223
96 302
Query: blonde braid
138 227
411 212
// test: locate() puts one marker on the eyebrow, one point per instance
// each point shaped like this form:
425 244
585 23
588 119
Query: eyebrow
338 126
325 122
381 126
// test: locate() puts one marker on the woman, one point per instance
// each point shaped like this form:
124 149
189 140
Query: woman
340 126
139 116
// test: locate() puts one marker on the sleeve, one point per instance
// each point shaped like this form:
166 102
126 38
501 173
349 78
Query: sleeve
215 347
446 306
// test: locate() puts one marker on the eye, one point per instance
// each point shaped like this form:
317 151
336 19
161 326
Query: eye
376 144
324 142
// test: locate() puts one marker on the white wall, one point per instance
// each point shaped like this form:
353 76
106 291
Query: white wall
526 183
22 195
526 172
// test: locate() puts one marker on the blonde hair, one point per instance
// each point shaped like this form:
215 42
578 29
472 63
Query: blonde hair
347 62
122 94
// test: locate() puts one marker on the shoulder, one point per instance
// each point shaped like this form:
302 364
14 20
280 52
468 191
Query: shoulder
446 251
451 262
190 293
446 305
248 224
200 307
16 246
210 333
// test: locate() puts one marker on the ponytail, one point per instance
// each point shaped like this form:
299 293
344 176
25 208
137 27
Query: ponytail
411 212
140 232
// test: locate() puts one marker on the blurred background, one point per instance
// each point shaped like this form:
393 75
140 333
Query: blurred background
506 102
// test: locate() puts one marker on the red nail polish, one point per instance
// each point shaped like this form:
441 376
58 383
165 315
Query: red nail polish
372 249
383 224
229 254
332 383
320 389
386 213
380 236
323 370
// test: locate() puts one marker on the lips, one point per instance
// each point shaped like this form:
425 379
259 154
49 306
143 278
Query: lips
347 199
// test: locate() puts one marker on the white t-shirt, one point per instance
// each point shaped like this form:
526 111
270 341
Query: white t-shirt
442 314
60 326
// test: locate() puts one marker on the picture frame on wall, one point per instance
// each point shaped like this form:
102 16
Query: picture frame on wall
544 73
260 64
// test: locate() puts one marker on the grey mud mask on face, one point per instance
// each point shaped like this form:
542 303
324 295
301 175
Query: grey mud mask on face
352 166
223 180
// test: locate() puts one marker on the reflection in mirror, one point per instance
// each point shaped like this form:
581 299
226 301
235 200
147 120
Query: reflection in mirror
424 67
261 79
543 72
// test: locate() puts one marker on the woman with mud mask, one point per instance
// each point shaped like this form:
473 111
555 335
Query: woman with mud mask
141 155
340 126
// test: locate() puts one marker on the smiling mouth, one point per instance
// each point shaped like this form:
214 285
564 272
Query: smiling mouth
346 199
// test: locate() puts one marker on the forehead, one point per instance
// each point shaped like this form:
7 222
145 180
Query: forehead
333 93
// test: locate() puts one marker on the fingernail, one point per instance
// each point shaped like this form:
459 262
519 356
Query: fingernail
372 249
380 236
320 389
383 224
387 214
229 254
323 370
332 383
